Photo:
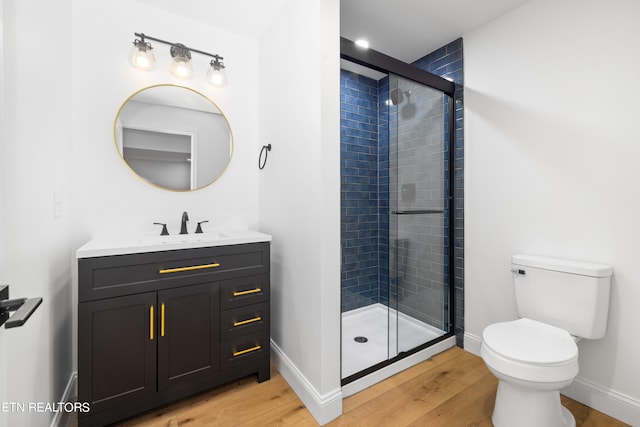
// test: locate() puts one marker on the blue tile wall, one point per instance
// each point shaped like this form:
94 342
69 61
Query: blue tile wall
359 190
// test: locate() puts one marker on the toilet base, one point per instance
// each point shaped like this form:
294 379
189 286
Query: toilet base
527 407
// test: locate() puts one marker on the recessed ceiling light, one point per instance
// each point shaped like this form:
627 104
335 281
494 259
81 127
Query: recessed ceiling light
362 43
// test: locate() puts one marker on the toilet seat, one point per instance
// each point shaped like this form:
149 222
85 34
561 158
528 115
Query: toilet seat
530 350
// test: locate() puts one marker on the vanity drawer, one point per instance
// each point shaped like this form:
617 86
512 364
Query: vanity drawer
244 349
244 320
244 291
110 276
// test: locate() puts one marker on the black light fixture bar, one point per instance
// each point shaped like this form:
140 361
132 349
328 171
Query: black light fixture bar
179 46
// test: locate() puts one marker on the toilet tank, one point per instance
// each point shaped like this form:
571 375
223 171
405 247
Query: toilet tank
571 295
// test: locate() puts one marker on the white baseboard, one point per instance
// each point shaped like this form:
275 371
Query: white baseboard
612 403
399 366
324 408
67 396
472 343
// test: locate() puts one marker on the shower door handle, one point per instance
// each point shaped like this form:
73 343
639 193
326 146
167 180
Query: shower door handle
418 212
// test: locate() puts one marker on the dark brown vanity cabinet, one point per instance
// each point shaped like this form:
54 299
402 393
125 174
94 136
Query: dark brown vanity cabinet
156 327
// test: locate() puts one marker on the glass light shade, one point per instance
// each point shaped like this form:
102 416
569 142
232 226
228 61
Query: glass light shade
181 68
216 75
142 58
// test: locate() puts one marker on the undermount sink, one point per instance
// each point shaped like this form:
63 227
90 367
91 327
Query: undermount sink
186 238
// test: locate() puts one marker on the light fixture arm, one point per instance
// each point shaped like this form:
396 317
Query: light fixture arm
179 46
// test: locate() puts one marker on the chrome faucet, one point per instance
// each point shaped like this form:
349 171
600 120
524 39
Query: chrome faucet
183 227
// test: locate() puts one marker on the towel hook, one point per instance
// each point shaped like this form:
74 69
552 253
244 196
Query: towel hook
265 150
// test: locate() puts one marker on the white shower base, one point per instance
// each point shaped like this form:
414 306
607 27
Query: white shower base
379 325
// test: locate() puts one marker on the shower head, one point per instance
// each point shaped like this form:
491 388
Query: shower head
396 96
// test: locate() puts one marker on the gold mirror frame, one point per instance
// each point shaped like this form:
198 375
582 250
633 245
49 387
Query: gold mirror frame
183 101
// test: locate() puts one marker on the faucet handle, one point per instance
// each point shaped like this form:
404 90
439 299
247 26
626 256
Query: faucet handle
164 231
199 228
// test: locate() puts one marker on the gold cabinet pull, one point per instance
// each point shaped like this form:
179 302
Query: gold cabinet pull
250 291
190 268
249 350
151 323
245 322
162 320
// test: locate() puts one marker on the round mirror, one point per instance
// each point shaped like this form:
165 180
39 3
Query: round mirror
173 137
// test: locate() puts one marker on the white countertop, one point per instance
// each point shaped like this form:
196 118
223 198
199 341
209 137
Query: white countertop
139 244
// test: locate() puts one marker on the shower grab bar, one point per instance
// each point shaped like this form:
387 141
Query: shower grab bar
418 212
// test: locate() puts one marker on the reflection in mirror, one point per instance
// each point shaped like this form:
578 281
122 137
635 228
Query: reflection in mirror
173 137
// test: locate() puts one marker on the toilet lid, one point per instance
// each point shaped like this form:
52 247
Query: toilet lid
530 341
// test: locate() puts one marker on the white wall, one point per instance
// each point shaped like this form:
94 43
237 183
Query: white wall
3 345
300 197
36 146
551 153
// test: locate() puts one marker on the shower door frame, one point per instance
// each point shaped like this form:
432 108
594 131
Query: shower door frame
386 64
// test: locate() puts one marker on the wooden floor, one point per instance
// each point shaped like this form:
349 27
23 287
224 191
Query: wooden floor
453 388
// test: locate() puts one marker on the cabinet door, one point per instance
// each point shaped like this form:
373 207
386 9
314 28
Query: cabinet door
188 334
116 350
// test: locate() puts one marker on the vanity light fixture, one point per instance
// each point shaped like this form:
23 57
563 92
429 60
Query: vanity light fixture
181 62
142 58
215 73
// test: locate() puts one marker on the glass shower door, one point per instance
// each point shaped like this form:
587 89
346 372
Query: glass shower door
418 215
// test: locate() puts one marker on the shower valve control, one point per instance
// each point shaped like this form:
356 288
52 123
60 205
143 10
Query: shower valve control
518 271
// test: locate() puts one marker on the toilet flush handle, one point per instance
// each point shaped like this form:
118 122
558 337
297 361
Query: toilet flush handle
518 271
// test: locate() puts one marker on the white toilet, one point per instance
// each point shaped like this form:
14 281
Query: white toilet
559 302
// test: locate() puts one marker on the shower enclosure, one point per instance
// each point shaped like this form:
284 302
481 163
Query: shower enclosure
396 144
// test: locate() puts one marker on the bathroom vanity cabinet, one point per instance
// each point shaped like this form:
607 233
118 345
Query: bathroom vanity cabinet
155 327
